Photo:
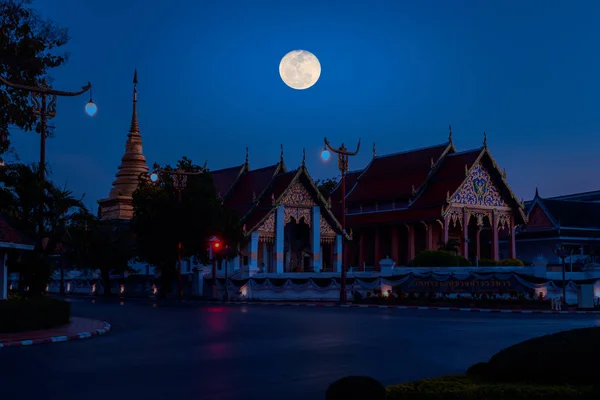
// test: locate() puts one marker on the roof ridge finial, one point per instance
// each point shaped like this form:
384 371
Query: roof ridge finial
450 134
135 127
281 155
484 140
537 193
303 157
246 162
374 151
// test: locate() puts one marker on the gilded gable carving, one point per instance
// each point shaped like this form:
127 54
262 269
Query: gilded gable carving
298 196
478 190
296 214
268 225
326 229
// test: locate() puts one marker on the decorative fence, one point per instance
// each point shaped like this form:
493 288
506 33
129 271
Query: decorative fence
328 289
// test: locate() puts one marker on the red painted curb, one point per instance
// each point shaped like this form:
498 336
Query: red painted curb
56 339
480 310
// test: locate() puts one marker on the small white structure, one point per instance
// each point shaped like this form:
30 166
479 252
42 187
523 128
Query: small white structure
10 238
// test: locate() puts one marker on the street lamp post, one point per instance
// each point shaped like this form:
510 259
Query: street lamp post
343 155
44 105
179 184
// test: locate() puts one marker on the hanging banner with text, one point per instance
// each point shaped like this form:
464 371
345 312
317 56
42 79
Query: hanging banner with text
470 284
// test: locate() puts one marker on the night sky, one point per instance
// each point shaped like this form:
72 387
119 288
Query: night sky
393 72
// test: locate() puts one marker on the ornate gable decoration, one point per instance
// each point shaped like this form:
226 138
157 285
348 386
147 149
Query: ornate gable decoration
478 190
298 196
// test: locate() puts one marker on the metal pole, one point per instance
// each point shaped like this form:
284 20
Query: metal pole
343 216
564 282
179 250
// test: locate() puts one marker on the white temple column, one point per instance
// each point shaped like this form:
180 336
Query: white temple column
3 276
265 257
337 266
279 238
315 238
253 253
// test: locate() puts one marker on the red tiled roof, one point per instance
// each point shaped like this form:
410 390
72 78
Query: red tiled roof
447 178
393 176
394 216
11 236
574 214
251 183
224 178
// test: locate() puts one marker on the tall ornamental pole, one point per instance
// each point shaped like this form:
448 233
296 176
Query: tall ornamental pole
44 105
180 178
343 155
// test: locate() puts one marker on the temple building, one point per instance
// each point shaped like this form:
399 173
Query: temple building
119 203
288 224
426 199
571 222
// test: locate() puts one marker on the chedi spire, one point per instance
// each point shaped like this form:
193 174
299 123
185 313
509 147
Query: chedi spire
119 205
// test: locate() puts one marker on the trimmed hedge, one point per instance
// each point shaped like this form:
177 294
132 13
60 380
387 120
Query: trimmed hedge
566 357
28 314
461 387
356 388
439 258
511 262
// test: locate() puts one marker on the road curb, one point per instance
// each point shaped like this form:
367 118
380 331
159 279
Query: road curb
56 339
482 310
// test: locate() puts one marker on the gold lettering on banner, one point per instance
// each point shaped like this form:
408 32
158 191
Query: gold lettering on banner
474 284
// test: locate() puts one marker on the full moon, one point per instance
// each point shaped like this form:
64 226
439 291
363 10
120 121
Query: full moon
300 69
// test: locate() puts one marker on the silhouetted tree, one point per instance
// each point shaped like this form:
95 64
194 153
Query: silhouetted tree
29 49
326 186
160 222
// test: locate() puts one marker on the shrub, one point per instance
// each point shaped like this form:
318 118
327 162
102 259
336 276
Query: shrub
356 388
33 313
511 262
486 262
439 258
562 358
461 387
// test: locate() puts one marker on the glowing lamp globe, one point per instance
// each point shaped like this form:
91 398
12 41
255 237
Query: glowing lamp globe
217 245
91 108
154 177
325 155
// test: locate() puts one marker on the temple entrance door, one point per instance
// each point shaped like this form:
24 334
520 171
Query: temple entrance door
297 246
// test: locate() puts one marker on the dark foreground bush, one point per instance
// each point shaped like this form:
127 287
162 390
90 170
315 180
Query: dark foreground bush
567 357
461 387
439 258
356 388
33 313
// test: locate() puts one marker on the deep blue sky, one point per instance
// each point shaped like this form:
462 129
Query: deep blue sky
394 72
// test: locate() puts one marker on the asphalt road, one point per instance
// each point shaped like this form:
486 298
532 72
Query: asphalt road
206 352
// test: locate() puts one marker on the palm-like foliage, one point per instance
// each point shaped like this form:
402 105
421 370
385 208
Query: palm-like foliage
21 196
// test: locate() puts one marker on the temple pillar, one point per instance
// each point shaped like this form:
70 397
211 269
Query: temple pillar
429 232
253 253
495 249
315 238
3 276
265 256
361 250
332 253
465 235
446 230
512 238
395 246
338 253
377 253
478 243
411 243
279 238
